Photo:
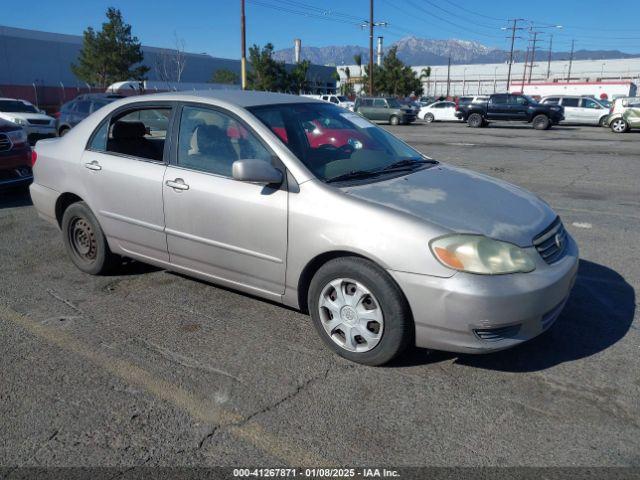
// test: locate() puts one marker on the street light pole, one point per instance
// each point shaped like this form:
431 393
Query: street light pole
549 59
243 57
370 47
570 61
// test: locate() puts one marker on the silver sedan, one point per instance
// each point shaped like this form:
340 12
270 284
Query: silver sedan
305 203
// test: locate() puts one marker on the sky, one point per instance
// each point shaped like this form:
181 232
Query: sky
213 26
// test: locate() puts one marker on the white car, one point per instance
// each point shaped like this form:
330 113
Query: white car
339 100
439 111
35 123
579 109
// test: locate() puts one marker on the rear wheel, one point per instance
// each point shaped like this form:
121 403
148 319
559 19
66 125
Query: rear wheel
394 120
429 118
359 311
63 131
603 121
475 120
619 125
541 122
84 240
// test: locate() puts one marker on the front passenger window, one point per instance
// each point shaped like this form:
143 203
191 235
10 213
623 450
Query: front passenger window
210 141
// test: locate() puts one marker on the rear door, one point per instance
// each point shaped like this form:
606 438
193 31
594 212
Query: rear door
122 171
497 108
572 110
380 109
217 226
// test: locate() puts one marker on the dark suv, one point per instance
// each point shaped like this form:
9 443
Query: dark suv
510 107
15 156
384 109
73 112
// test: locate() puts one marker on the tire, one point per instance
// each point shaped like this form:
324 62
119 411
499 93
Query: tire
619 125
386 308
429 118
63 131
84 240
541 122
475 120
603 121
394 120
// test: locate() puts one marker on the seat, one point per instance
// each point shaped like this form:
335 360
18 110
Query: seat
128 138
215 152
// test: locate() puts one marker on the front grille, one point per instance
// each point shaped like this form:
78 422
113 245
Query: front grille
5 143
496 334
36 121
552 242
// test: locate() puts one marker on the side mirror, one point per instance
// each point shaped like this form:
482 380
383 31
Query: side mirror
256 171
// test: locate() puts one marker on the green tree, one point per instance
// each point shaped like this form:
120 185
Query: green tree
298 81
110 55
394 77
225 76
358 59
266 73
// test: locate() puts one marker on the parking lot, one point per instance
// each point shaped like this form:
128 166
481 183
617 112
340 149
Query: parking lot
152 368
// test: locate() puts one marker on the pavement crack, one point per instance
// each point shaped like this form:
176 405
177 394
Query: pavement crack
68 303
208 436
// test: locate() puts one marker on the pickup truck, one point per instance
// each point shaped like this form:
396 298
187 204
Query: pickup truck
510 107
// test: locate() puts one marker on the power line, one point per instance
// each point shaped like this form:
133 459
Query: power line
302 13
476 13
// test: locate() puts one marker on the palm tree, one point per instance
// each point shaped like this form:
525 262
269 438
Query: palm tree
425 74
358 59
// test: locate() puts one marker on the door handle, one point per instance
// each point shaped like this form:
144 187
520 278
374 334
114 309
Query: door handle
93 165
177 184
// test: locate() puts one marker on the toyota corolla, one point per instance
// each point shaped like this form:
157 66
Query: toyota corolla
304 203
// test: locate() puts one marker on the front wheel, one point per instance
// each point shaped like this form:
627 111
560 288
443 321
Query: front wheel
429 118
84 240
475 120
394 120
359 311
603 121
619 125
541 122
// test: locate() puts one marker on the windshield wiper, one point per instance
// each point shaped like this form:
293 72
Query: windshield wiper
354 174
407 164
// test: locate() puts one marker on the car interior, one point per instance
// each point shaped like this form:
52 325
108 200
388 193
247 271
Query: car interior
130 138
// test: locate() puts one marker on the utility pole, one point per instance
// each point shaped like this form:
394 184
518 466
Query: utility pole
549 59
524 70
243 57
448 75
570 61
513 29
370 23
533 53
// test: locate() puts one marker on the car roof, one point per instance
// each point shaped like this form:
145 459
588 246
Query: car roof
241 98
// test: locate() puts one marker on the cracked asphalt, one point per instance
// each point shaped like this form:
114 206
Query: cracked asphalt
152 368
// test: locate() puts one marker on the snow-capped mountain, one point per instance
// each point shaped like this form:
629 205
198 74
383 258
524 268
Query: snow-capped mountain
423 51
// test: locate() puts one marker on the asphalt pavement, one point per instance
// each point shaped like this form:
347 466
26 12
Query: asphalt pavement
147 367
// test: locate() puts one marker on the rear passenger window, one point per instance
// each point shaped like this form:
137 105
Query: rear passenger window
570 102
499 99
139 133
210 141
552 100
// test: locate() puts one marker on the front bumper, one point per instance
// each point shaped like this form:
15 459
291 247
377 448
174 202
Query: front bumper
470 313
15 168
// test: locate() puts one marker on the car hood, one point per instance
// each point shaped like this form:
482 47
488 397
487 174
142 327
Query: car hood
463 201
26 116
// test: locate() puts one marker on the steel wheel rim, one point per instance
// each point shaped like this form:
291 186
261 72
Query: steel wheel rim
351 315
429 118
82 239
619 126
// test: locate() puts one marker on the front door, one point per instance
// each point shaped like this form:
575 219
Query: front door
216 226
572 109
122 171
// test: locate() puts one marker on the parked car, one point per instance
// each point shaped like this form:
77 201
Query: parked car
73 112
384 109
15 156
625 115
339 100
382 245
511 107
577 109
37 125
439 111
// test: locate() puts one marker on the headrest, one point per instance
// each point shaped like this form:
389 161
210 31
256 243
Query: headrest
128 130
210 137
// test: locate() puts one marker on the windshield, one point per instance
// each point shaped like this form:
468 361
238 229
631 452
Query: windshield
342 98
16 106
393 103
333 142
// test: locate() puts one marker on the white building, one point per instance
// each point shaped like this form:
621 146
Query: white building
490 78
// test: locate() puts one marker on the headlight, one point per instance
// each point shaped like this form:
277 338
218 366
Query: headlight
17 136
19 121
479 254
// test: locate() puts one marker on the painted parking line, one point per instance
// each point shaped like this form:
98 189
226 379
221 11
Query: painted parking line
200 409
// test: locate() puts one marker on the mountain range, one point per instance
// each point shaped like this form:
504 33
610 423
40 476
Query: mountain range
424 51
